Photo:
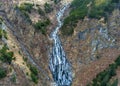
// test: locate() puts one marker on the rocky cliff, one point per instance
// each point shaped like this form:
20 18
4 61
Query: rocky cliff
93 45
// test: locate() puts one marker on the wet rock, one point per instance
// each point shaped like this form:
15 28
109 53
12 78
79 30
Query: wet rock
82 35
59 64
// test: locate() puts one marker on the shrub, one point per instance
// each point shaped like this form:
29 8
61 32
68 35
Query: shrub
13 78
67 31
42 26
115 83
48 8
56 1
5 56
34 73
1 34
34 70
26 7
34 78
27 17
117 61
4 49
41 12
115 1
5 34
3 73
25 59
112 69
105 79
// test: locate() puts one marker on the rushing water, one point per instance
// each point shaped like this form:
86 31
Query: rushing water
59 65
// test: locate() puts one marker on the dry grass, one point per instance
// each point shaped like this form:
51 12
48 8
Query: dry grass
13 46
88 72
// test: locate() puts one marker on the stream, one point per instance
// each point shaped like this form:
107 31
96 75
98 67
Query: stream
60 67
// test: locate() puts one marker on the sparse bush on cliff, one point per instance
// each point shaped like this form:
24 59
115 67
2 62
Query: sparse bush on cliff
34 78
67 31
26 7
13 78
115 83
103 78
3 33
41 12
34 70
48 8
34 73
115 1
42 25
27 17
117 61
3 73
6 56
90 8
56 1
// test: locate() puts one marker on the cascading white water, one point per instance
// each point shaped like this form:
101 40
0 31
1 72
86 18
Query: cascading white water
59 65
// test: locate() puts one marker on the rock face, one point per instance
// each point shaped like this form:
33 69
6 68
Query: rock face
32 42
92 39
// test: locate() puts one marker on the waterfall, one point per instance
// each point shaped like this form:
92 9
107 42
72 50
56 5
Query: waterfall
60 67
